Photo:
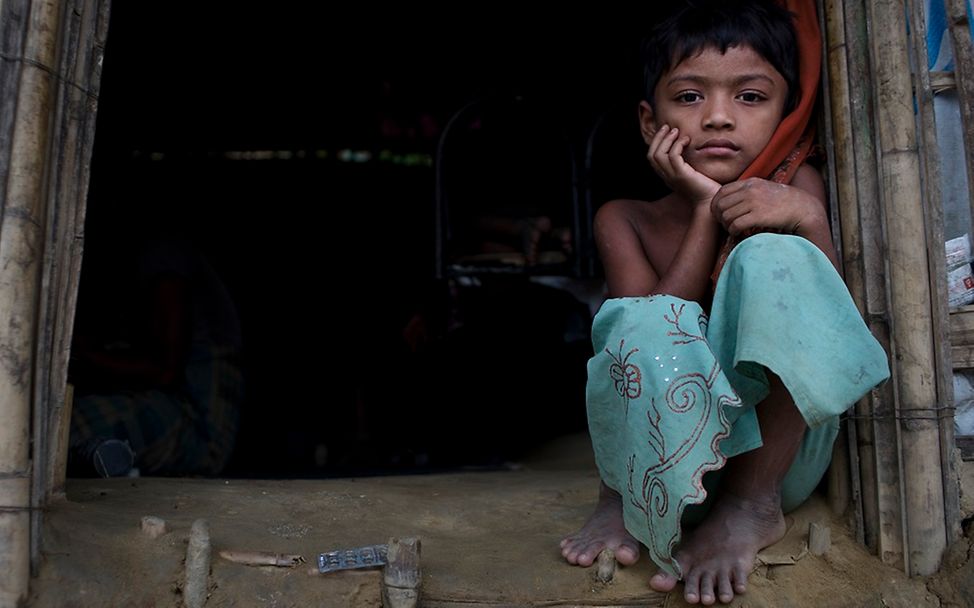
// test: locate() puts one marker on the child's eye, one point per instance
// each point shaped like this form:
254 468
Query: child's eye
688 97
750 97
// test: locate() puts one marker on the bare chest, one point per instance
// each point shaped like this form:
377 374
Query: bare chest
660 232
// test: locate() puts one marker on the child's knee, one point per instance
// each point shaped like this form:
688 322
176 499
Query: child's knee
770 244
779 265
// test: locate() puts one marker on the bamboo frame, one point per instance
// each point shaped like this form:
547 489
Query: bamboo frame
51 60
909 283
909 505
84 33
842 187
844 484
878 455
937 264
21 247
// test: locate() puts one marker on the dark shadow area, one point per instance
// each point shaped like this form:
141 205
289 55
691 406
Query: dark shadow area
294 149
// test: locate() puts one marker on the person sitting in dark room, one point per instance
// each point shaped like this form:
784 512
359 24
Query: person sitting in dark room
162 391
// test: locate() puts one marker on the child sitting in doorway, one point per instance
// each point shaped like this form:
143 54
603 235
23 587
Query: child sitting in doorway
754 373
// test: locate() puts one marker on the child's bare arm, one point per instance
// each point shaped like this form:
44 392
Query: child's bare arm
618 235
628 272
758 203
815 227
688 275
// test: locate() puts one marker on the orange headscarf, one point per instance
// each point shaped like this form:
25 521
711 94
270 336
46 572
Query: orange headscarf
792 140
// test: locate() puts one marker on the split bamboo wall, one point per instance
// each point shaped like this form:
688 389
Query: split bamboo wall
885 173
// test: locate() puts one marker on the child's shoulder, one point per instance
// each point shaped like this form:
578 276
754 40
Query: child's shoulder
634 212
648 224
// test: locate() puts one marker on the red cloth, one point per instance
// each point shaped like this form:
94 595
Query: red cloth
792 140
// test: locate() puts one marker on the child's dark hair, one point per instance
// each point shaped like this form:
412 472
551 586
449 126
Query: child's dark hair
763 25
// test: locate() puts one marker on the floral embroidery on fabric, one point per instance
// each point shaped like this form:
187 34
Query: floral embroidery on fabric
688 395
626 376
683 425
679 332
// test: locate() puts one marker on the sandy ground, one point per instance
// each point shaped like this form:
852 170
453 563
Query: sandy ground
488 539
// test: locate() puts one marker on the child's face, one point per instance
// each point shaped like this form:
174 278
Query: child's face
728 104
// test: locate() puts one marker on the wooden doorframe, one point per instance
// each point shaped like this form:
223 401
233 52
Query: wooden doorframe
51 54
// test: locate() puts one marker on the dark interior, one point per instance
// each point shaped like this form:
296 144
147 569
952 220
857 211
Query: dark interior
297 149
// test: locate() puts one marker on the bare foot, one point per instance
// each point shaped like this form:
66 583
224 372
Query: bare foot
719 554
604 529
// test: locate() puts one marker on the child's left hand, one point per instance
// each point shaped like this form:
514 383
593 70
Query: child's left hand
758 203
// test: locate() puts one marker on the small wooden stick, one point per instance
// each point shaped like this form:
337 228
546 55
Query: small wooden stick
197 565
605 568
261 558
402 575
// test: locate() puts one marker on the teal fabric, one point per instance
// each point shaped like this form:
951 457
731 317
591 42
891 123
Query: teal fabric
671 393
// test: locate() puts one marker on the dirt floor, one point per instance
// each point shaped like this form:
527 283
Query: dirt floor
488 540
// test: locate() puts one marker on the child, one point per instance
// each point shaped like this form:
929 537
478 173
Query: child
673 394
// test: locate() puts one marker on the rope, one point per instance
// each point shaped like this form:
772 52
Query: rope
933 413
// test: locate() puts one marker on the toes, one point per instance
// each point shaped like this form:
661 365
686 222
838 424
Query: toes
724 591
584 553
570 550
740 580
587 556
663 582
707 589
626 555
691 587
571 555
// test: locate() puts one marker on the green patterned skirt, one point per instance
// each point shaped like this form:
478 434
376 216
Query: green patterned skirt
671 392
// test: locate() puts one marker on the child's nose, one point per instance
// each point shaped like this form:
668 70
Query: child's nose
718 115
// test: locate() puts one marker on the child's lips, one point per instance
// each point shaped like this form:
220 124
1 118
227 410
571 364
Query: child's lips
718 147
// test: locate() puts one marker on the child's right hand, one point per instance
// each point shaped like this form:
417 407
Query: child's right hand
666 157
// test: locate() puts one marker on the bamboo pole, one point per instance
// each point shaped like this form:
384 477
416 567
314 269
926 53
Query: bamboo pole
839 477
83 48
960 38
879 457
842 186
854 470
909 289
842 161
59 455
21 247
934 221
81 33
